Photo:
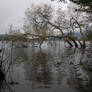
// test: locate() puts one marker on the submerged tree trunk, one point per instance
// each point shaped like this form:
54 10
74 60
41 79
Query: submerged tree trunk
74 41
80 43
84 45
41 42
82 34
63 34
70 44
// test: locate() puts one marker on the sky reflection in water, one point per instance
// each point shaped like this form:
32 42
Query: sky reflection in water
50 69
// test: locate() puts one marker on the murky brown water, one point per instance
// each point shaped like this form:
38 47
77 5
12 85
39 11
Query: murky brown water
53 68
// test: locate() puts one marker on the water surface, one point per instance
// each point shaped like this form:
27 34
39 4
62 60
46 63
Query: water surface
50 69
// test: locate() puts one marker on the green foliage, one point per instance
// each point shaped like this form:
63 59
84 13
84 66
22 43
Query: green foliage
36 21
81 2
89 35
15 34
13 83
84 3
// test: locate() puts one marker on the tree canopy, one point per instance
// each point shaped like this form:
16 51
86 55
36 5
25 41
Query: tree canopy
82 3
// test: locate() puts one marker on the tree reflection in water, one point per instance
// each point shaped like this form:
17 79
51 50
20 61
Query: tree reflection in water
54 68
40 72
80 78
5 64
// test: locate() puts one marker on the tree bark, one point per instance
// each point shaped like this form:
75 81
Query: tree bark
69 43
74 41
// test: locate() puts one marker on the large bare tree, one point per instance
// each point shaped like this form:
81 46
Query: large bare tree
40 22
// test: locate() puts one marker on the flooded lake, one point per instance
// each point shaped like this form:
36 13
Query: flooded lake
52 68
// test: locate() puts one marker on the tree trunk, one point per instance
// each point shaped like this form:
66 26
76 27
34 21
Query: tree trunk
69 43
80 43
42 40
84 45
82 34
63 34
74 41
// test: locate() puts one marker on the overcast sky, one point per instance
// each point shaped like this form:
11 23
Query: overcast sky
12 12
